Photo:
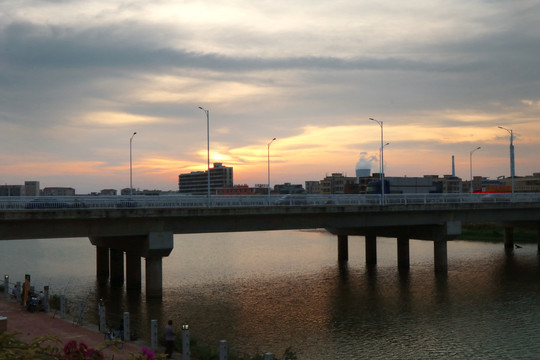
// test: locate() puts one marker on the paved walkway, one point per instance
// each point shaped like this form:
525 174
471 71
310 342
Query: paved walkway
31 325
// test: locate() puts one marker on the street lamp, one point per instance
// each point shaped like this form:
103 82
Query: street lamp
207 112
470 164
131 165
381 158
380 154
269 165
512 165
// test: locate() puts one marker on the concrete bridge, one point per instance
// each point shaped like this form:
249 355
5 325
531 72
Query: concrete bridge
143 226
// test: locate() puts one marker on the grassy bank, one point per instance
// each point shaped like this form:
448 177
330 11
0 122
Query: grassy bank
493 233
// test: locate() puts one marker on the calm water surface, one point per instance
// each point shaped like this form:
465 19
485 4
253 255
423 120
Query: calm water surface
266 291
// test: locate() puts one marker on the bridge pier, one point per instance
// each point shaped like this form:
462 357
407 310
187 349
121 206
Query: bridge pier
154 277
343 248
102 262
440 256
403 252
538 238
509 238
117 267
153 246
133 271
371 249
439 233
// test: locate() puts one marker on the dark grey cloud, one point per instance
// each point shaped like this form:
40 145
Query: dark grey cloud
55 73
30 45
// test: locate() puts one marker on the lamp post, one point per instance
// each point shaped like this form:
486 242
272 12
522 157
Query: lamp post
131 165
470 165
381 158
207 112
512 164
386 144
271 141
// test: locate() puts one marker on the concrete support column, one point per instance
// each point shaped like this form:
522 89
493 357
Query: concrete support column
403 252
538 239
152 246
509 238
102 262
154 277
371 249
440 256
117 267
133 271
343 248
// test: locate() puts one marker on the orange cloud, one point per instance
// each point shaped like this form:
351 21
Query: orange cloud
117 119
56 168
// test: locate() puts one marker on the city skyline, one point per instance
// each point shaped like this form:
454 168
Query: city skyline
359 178
80 78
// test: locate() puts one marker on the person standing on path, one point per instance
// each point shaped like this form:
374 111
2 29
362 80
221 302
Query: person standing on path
26 289
169 339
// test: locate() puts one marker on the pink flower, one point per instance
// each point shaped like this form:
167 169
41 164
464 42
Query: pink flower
72 351
149 354
69 347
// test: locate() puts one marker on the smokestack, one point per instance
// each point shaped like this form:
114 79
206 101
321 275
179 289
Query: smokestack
453 167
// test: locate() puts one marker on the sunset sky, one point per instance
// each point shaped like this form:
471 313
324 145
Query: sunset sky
77 78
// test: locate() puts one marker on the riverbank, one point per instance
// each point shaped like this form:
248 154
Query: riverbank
30 325
492 233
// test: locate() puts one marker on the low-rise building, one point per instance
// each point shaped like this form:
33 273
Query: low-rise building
288 188
312 186
336 183
58 191
447 184
30 188
236 190
530 183
410 185
12 190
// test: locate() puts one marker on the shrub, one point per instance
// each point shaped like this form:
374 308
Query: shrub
47 348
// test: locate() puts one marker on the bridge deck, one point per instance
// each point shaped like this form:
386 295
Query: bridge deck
352 214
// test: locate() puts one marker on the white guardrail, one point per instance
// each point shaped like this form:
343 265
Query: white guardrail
201 201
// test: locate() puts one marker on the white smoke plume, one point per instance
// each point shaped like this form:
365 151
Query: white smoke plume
366 161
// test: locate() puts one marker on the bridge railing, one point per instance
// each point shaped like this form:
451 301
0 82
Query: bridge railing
216 201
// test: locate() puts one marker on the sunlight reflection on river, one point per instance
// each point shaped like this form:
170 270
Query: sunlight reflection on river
266 291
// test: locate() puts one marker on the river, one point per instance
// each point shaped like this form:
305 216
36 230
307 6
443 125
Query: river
266 291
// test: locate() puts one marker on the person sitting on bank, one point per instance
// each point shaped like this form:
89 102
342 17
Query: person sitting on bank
15 292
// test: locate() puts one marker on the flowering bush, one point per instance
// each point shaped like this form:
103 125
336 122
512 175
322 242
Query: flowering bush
74 351
46 348
147 354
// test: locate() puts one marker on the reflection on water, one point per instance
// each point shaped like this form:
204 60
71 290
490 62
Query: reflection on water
270 290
